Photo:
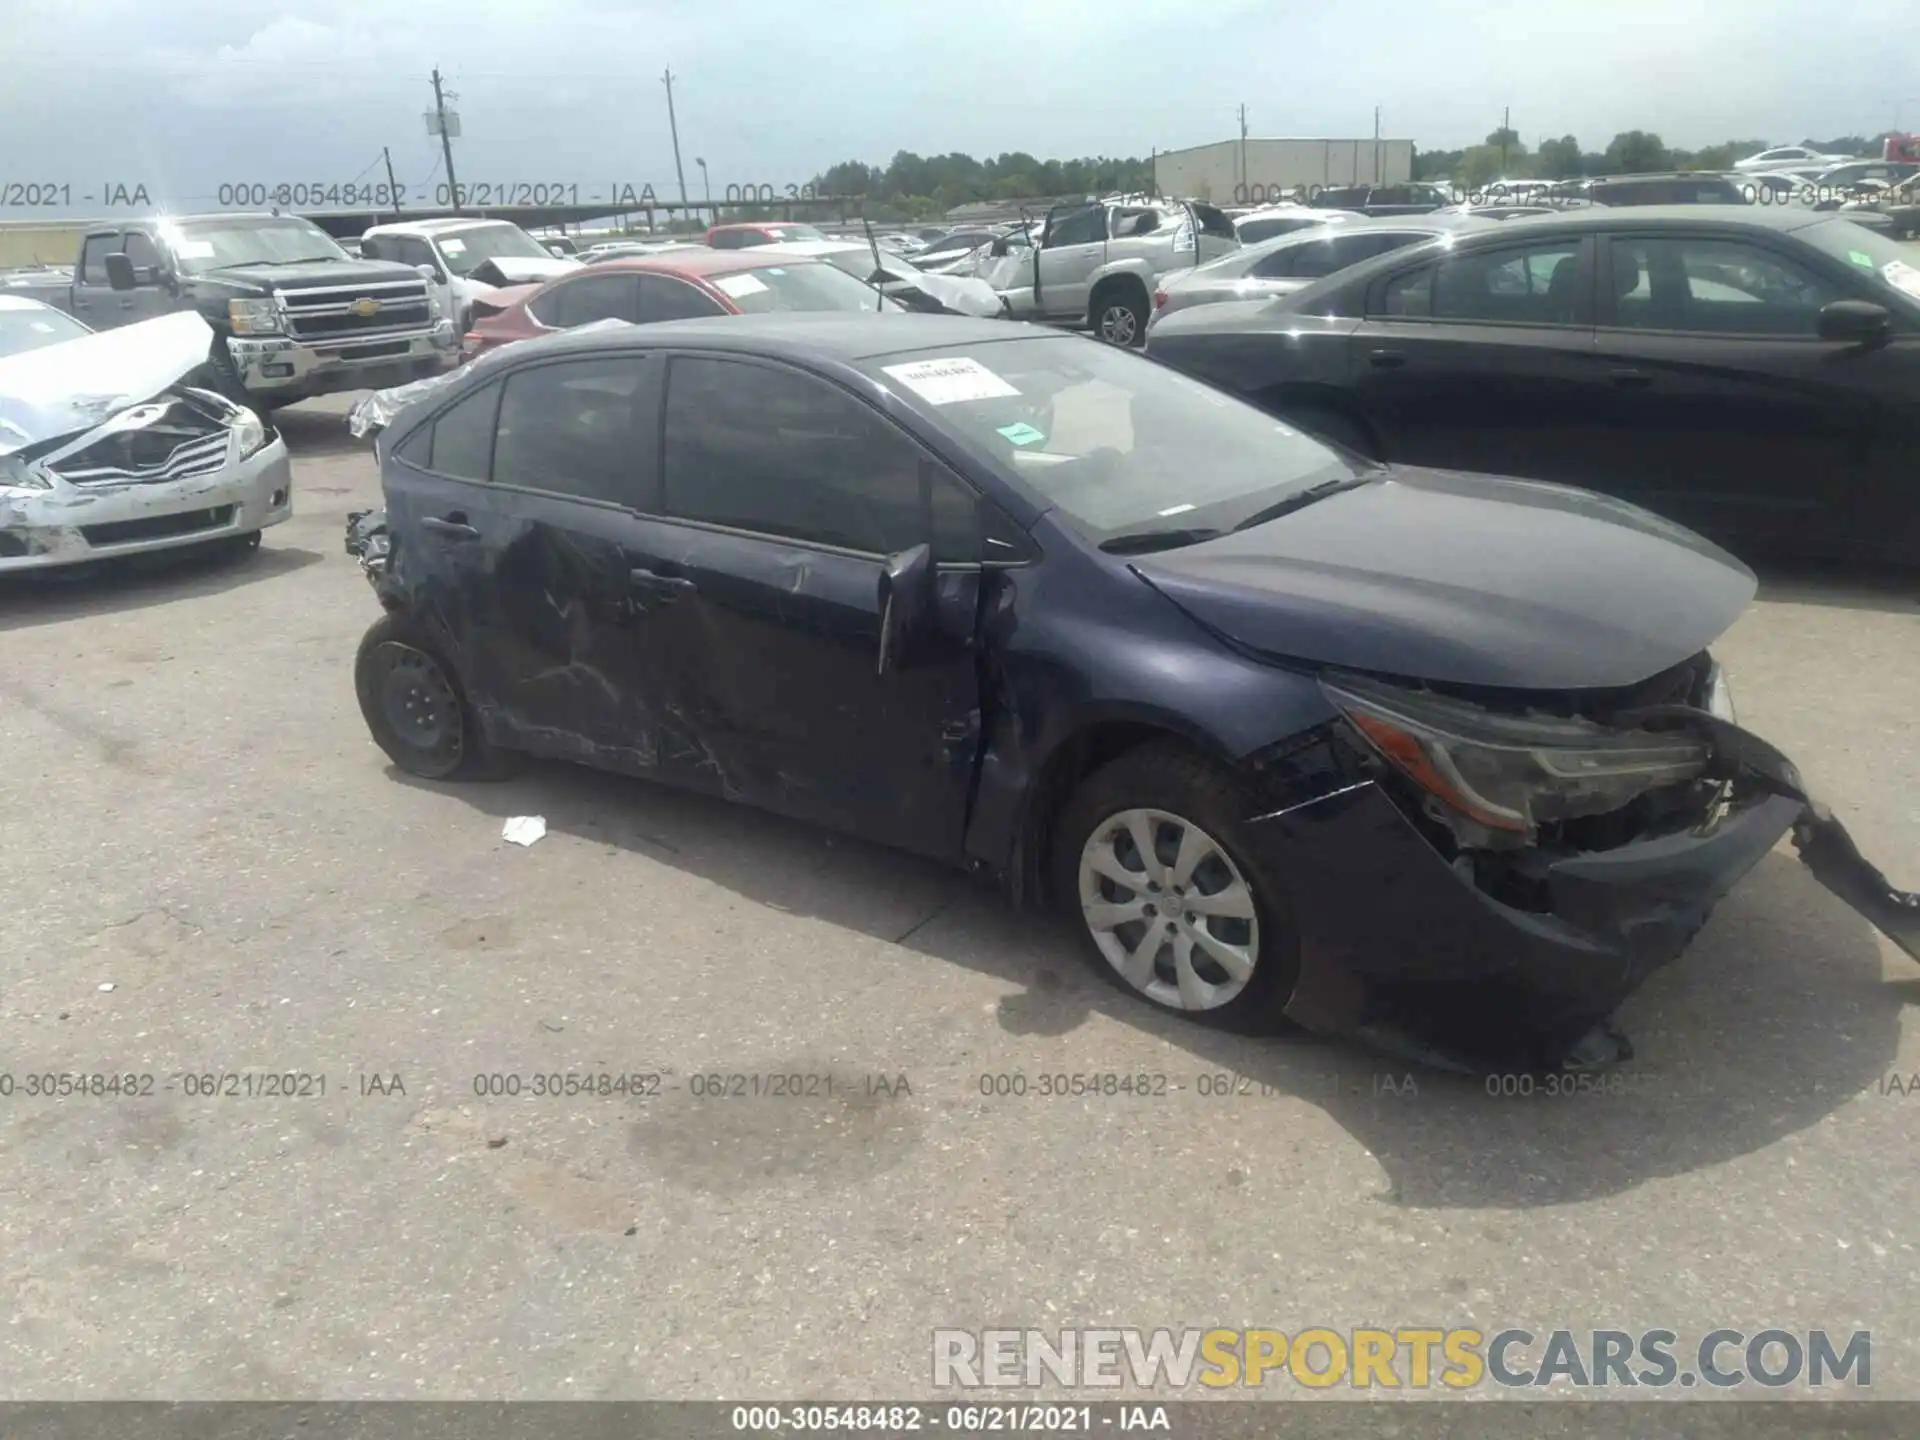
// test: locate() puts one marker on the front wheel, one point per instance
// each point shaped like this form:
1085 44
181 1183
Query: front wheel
411 700
1150 860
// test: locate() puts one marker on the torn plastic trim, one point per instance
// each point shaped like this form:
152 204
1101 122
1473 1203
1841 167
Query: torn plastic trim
1822 842
76 385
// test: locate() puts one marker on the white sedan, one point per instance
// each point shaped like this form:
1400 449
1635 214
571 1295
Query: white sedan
1788 157
107 450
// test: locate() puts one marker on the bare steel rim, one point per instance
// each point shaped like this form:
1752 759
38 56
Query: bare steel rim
1169 909
1118 324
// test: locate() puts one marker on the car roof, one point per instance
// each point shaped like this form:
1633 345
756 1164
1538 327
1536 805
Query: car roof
761 225
698 262
1675 217
436 227
837 335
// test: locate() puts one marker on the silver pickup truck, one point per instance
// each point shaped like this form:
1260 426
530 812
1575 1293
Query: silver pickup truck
1097 264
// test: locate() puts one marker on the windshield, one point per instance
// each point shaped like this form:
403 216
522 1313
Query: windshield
202 245
1120 444
859 264
804 285
33 326
1895 266
464 249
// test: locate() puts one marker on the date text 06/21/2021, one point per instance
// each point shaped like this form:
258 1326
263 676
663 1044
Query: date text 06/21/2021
46 194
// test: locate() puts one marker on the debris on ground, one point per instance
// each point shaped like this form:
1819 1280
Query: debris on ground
524 829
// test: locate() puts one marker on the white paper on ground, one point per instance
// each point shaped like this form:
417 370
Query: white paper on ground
524 829
950 380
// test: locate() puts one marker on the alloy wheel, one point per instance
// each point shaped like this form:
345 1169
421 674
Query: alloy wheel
1169 909
1118 325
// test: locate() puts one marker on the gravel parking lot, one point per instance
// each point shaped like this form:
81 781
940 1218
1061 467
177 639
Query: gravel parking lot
213 870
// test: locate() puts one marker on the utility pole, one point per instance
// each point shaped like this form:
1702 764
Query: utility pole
674 126
1243 150
393 186
446 140
1506 127
1376 145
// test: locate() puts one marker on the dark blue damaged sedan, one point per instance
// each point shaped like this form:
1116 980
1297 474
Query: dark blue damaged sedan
1439 760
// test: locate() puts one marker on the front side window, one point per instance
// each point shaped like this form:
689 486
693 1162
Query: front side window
780 453
1082 227
93 257
1714 286
571 429
144 258
661 297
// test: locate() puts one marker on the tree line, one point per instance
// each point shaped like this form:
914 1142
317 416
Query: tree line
1631 152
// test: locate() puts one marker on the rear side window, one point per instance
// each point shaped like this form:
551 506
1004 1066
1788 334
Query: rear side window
461 438
661 297
1537 285
582 301
572 429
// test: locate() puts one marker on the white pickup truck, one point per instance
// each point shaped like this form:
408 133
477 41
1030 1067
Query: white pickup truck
1097 263
469 256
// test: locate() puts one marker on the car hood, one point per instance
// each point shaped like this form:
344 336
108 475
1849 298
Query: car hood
1464 579
61 389
961 294
309 274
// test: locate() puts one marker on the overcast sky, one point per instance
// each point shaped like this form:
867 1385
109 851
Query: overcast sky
183 95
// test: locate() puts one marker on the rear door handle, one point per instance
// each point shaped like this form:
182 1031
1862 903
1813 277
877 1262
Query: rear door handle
1630 379
665 585
1387 359
451 527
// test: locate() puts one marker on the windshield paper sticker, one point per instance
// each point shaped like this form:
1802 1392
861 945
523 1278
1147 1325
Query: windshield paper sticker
1902 276
1022 434
1861 258
739 286
453 247
950 381
194 249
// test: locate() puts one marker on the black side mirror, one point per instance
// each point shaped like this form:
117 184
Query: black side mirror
906 605
1859 321
120 272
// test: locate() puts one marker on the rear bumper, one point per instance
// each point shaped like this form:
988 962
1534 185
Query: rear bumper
1399 947
282 368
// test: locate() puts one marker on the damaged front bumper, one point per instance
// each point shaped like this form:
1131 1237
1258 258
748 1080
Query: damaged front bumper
1404 949
286 369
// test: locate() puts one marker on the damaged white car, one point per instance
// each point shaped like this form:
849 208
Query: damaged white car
108 449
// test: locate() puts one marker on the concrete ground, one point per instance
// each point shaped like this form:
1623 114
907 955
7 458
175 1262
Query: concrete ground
212 869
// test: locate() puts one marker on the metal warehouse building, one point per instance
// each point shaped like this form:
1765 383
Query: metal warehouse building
1250 172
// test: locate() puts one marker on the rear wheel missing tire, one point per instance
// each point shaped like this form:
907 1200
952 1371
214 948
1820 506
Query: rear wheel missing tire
1150 861
411 700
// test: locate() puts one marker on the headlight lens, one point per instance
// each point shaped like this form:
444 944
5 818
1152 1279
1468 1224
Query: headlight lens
249 430
253 317
1510 774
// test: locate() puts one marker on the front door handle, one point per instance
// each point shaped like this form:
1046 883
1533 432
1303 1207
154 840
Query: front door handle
454 527
666 586
1630 379
1387 359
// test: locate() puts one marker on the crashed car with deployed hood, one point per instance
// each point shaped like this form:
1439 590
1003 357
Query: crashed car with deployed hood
114 443
1443 761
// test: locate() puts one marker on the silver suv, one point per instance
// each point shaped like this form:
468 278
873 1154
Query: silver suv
1099 263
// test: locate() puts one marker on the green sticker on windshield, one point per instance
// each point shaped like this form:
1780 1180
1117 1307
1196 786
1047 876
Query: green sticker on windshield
1861 258
1022 433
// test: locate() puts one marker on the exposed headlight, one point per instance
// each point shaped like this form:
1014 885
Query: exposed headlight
253 317
1508 773
249 431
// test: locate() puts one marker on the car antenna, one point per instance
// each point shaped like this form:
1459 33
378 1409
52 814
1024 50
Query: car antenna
879 270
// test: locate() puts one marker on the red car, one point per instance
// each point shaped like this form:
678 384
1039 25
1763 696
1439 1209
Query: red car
679 285
759 232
